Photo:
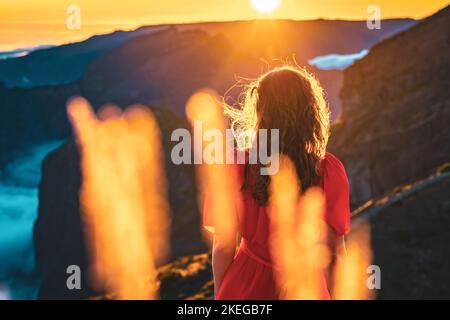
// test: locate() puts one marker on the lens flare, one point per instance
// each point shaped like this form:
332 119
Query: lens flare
298 236
350 276
216 182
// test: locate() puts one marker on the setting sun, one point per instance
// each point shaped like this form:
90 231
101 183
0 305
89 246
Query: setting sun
266 6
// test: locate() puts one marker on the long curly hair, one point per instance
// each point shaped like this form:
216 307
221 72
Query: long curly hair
292 100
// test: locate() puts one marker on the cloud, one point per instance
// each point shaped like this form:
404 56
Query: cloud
337 61
18 209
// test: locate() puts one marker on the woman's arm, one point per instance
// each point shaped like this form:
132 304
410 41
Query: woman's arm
338 252
224 249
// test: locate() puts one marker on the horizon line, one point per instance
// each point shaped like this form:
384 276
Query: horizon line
168 24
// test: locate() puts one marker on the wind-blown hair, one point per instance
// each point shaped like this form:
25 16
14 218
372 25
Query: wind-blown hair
292 100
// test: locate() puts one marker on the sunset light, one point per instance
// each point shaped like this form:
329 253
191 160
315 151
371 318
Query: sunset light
224 155
35 23
266 6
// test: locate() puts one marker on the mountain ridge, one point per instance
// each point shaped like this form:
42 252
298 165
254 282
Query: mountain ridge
64 64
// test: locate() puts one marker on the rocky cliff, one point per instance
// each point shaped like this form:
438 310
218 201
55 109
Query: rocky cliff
396 110
410 240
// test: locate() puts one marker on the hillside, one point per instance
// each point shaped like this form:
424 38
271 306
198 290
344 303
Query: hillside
410 236
396 110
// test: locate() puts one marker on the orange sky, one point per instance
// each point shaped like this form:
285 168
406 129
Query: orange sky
32 22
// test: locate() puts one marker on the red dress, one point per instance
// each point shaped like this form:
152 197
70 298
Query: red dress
250 275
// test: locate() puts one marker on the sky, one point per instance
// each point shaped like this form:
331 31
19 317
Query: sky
26 23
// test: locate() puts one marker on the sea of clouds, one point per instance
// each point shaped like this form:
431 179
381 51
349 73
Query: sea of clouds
21 52
19 181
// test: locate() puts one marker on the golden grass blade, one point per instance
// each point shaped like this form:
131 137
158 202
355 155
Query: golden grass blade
298 232
123 197
350 276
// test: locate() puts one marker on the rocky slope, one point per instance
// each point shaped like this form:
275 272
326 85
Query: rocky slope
396 110
185 278
409 229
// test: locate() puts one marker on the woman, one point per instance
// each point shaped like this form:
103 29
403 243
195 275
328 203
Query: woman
291 100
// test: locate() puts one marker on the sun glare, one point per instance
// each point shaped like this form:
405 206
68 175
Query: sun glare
266 6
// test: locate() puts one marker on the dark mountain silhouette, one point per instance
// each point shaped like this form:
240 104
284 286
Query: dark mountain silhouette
396 110
409 229
307 39
61 64
65 64
166 66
